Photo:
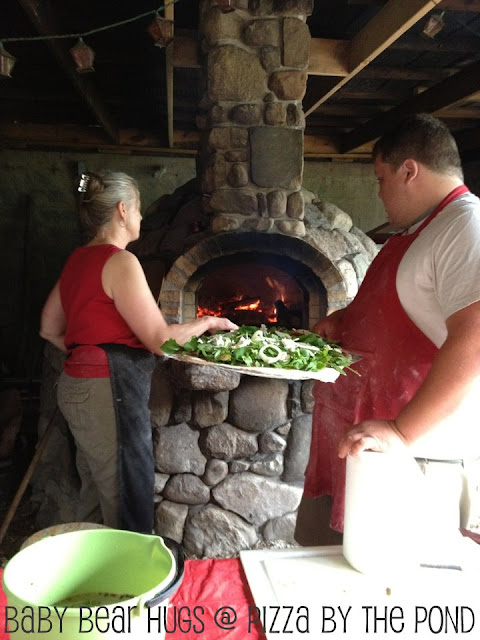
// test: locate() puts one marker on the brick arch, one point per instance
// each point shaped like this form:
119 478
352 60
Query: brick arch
177 294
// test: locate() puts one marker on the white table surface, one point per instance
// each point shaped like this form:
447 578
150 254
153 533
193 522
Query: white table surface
312 592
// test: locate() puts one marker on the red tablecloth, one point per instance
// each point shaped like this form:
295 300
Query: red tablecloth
212 603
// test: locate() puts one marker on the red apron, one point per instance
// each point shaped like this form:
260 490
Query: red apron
396 357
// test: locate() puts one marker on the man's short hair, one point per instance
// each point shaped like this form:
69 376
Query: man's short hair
423 138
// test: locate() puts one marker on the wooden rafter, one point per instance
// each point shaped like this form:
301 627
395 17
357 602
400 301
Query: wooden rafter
466 44
461 5
185 49
451 5
28 136
469 140
328 57
169 51
41 18
451 90
407 74
391 22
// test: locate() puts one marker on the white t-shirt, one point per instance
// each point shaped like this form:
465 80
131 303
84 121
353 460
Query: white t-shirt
439 275
440 272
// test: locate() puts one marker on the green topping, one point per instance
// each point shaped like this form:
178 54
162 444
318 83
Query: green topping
265 347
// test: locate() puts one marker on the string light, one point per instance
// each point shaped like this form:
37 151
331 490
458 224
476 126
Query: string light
161 31
433 25
83 56
7 61
438 21
226 5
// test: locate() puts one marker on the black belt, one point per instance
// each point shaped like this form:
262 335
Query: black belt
436 460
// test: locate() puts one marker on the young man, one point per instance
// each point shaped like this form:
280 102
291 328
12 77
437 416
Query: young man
416 323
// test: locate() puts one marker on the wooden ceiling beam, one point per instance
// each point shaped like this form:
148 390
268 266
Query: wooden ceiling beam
42 19
461 5
346 111
474 97
391 22
185 49
328 57
169 55
464 44
33 134
373 97
407 74
458 113
468 140
451 5
453 89
133 141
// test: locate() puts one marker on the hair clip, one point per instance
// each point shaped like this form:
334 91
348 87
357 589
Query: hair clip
84 180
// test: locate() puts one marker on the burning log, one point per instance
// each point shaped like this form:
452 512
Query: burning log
287 318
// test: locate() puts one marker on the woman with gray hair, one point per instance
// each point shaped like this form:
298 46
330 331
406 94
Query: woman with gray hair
102 314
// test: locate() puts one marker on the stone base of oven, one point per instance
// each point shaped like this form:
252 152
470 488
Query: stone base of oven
230 454
230 451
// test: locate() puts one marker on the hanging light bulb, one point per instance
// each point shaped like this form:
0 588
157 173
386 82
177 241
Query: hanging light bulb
83 56
434 25
161 31
7 62
226 5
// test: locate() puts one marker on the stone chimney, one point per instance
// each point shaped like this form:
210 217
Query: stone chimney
252 122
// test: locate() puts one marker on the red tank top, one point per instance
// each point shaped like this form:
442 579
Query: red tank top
91 316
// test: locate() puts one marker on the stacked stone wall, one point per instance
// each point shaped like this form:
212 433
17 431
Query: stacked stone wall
230 454
252 121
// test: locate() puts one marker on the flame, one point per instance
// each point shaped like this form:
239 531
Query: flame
218 311
273 316
205 311
253 306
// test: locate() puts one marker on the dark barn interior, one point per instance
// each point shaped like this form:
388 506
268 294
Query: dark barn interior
370 62
144 104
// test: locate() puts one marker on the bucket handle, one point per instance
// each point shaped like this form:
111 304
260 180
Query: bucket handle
162 595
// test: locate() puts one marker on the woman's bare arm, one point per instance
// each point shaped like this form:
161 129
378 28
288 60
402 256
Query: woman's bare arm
52 322
124 281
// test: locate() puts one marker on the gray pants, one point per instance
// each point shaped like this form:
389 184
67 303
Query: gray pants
87 406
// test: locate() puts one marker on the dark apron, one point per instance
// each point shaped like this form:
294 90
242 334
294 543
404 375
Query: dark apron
130 374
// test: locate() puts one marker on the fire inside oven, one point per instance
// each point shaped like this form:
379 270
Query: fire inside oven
254 291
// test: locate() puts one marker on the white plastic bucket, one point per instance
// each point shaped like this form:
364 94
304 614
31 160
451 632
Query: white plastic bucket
383 523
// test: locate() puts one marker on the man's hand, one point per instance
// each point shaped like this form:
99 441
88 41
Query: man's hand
374 435
329 326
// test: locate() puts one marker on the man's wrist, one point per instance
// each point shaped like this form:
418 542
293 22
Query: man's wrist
395 427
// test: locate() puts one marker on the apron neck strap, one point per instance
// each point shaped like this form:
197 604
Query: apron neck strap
453 195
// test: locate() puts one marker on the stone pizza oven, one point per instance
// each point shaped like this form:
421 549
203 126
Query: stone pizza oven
243 239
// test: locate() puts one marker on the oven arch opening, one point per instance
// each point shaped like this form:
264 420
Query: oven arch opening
257 288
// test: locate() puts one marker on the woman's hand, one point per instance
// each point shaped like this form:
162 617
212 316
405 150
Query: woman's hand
221 324
372 435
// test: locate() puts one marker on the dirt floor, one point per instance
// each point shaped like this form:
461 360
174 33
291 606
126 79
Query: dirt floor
21 527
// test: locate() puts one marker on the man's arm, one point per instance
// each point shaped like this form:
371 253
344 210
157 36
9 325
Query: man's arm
455 370
329 326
